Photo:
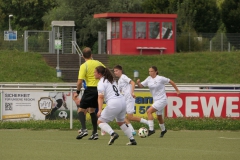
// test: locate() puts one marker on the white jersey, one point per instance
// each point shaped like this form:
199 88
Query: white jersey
156 86
110 91
125 87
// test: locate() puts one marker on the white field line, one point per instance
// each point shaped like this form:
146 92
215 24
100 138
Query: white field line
228 138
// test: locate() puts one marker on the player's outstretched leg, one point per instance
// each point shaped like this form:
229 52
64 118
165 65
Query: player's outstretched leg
130 117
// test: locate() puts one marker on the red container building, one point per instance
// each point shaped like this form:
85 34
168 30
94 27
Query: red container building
134 34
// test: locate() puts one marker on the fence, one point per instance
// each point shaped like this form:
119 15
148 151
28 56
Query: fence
39 41
11 45
186 42
213 42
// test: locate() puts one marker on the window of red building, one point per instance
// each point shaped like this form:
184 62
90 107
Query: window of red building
115 29
167 31
140 30
127 30
154 30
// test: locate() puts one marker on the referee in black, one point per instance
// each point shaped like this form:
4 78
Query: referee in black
90 96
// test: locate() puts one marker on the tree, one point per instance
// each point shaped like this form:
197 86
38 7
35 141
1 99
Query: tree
155 6
125 6
207 16
82 11
27 14
185 14
230 15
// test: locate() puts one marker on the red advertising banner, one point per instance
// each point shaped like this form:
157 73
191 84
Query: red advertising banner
203 105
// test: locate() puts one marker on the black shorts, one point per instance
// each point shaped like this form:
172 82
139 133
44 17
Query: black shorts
89 98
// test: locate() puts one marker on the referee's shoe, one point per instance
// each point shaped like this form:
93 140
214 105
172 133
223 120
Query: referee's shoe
93 136
82 133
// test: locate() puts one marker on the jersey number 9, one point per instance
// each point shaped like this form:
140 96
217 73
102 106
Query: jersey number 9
115 90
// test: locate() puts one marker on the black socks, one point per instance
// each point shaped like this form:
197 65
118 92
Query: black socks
94 122
82 119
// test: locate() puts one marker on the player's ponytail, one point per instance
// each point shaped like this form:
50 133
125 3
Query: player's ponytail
106 73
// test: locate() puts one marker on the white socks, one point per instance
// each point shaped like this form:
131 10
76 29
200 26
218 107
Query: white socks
106 128
127 131
162 126
103 132
131 127
151 125
144 121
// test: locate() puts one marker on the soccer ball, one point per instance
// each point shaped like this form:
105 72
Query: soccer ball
143 132
63 114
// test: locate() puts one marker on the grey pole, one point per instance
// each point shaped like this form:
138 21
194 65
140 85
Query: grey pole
25 41
99 43
71 110
189 47
58 36
210 46
221 41
10 28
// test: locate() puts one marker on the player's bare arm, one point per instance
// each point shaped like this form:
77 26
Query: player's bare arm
139 83
133 88
100 104
175 87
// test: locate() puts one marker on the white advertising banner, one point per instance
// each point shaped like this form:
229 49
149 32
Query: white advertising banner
33 105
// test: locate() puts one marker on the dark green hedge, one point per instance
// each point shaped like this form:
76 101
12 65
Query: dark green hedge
171 124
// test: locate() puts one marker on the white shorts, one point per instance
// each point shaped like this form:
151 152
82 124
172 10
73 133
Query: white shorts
130 106
159 105
116 108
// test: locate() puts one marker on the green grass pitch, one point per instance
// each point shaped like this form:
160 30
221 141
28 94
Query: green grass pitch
62 145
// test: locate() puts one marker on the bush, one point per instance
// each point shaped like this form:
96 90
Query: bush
171 124
95 48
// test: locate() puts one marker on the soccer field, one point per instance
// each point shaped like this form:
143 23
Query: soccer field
55 144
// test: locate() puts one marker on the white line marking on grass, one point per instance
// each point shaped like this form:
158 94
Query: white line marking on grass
228 138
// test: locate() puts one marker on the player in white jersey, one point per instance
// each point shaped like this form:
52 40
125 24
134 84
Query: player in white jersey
156 85
126 87
116 105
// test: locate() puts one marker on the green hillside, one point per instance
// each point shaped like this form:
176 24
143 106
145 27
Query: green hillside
185 67
18 66
222 67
